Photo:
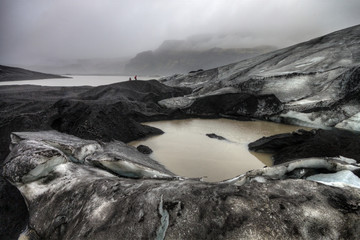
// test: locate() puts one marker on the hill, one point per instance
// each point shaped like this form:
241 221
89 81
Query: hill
16 74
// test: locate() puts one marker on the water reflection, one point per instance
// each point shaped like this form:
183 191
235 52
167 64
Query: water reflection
186 150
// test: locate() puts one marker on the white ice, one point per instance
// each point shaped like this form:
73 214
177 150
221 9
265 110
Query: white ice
176 102
338 179
129 169
303 119
352 123
43 169
279 171
288 89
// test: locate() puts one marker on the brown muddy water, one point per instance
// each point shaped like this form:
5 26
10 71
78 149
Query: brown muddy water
185 149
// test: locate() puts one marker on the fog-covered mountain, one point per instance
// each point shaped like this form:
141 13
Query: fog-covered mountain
182 56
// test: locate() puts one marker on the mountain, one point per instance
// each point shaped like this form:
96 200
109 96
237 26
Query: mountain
317 82
15 74
182 56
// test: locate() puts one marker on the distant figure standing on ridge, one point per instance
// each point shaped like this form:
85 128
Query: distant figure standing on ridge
135 77
129 78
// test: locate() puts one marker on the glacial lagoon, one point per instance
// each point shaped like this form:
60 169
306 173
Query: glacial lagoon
185 149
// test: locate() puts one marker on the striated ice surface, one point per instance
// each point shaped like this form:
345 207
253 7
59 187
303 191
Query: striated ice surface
338 179
38 154
43 169
75 147
127 161
303 119
286 90
352 123
176 102
280 171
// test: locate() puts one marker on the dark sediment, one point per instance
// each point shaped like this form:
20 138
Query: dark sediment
215 136
13 211
305 144
234 105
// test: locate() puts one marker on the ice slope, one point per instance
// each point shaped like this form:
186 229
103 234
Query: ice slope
319 77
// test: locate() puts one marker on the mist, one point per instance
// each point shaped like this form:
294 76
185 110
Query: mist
40 30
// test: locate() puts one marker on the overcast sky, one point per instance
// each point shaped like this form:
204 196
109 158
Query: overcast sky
72 29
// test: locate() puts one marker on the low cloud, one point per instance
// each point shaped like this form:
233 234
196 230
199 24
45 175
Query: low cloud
65 29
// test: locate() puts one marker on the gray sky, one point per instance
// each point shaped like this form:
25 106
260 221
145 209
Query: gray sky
32 30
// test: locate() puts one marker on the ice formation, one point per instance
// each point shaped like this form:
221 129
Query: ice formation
338 179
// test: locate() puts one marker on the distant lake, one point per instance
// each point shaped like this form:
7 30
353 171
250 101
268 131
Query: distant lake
77 80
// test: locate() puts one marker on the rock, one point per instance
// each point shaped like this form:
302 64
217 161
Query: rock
81 201
196 71
315 143
213 135
14 214
144 149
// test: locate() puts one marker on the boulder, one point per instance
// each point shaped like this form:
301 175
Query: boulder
144 149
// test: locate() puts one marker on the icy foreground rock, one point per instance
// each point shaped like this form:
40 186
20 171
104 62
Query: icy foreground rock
317 81
72 199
